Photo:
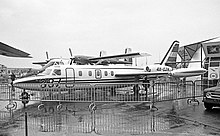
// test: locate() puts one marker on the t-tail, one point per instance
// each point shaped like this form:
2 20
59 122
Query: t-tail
171 60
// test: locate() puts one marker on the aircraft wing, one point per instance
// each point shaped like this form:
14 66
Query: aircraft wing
9 51
121 56
126 74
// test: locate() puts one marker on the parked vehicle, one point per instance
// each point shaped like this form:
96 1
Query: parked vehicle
211 97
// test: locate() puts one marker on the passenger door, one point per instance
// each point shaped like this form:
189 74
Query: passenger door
98 74
70 77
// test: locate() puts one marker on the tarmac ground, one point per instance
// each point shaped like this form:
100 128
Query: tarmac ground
169 118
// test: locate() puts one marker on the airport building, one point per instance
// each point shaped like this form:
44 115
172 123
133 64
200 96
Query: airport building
212 61
206 55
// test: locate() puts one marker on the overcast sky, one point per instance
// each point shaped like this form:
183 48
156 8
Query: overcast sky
88 26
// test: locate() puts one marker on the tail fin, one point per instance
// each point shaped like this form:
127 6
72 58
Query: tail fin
128 50
171 60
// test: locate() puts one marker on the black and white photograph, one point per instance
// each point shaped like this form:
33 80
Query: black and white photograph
109 68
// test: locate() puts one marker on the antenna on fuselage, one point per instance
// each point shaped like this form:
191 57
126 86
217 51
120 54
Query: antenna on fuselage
70 52
47 55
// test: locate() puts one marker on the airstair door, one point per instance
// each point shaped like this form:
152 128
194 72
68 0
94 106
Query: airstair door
98 74
70 77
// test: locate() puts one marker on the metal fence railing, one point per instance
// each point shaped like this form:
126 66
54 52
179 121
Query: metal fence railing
102 123
172 91
49 119
130 92
150 93
5 92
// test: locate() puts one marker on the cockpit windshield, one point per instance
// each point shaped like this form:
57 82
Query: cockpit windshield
54 72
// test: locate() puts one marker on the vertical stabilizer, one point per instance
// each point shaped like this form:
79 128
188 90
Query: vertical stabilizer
172 52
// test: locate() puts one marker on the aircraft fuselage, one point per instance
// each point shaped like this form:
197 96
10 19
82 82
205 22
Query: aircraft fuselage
69 76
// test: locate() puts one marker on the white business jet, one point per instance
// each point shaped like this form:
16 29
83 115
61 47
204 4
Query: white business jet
67 76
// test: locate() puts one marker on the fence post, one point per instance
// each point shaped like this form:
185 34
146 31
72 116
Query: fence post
92 109
152 129
12 105
153 101
146 85
193 99
25 99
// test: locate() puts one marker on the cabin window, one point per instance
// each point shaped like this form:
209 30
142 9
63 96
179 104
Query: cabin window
112 73
90 73
80 73
106 73
56 72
